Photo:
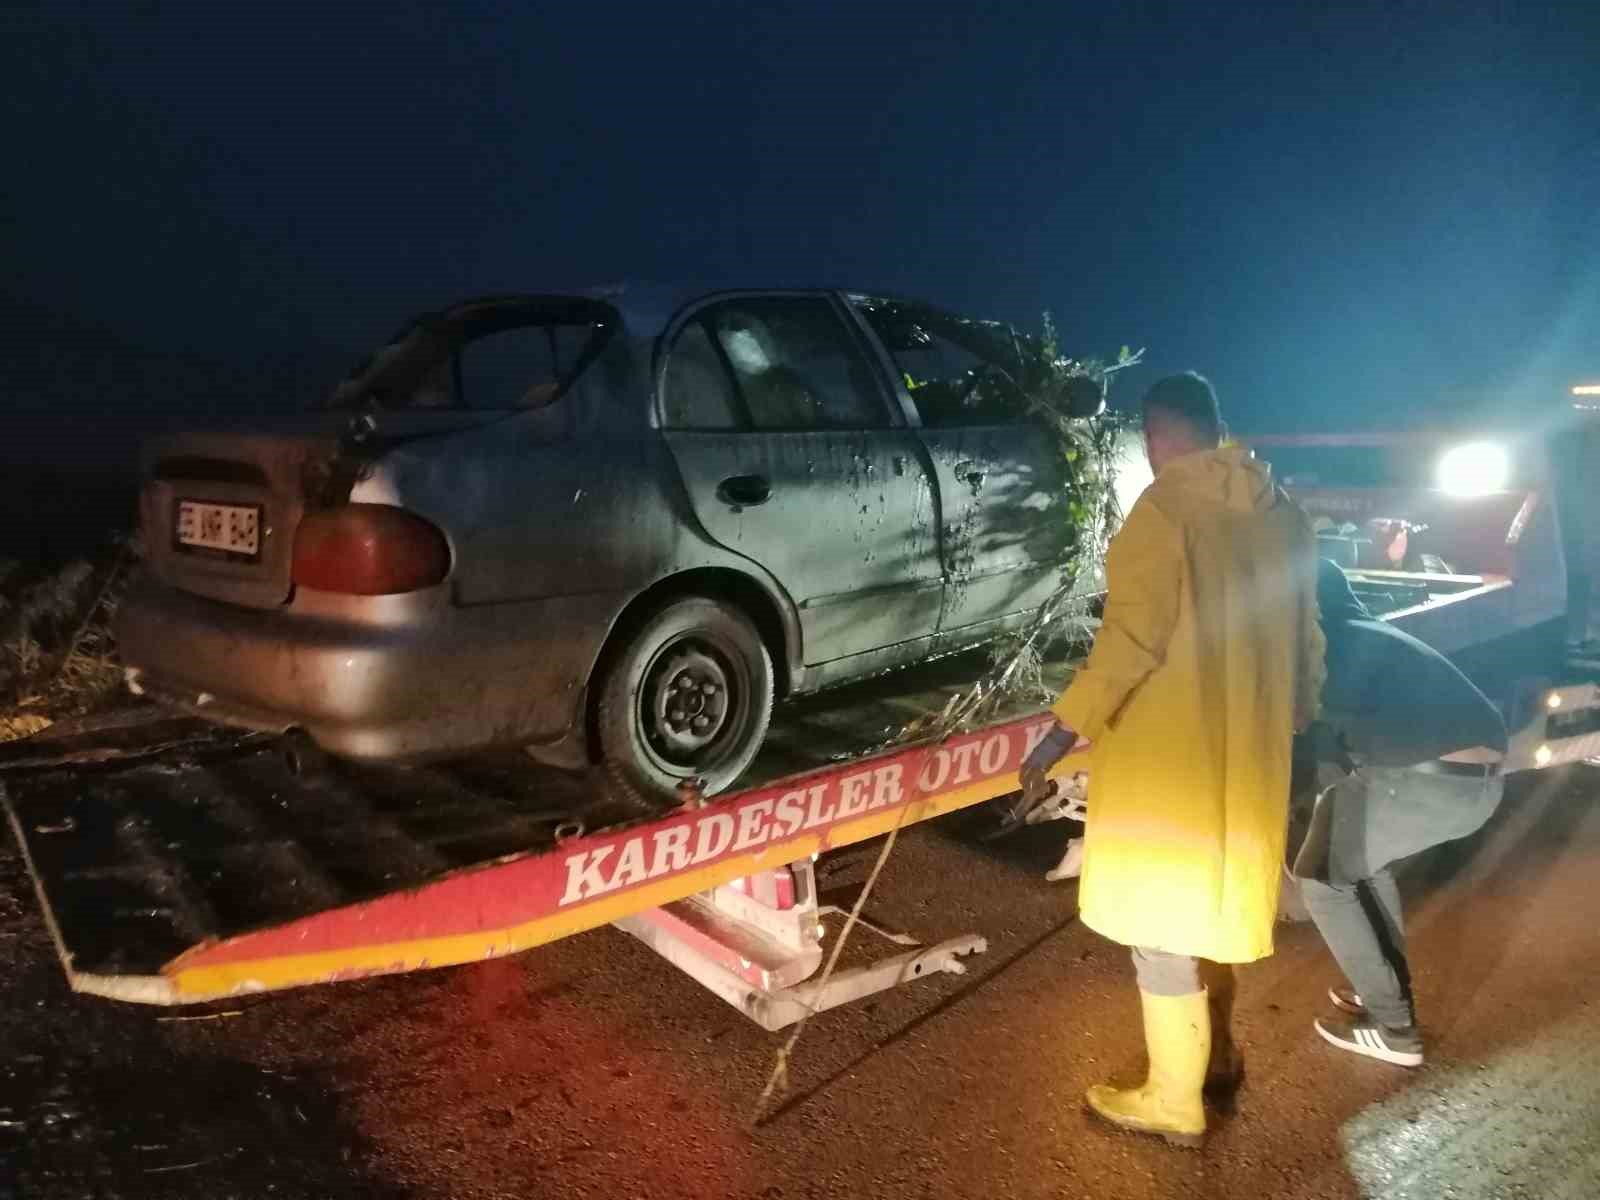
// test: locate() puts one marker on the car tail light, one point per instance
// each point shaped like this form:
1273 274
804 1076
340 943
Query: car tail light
368 550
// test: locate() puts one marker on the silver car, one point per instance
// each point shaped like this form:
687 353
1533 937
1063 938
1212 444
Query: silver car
602 526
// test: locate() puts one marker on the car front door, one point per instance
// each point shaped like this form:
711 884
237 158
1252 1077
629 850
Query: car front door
1001 474
794 455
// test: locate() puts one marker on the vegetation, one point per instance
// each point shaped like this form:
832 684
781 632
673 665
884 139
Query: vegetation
1055 386
1070 396
56 654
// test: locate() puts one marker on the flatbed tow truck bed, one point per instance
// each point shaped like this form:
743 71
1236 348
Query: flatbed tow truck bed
177 862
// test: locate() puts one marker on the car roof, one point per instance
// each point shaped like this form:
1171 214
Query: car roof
647 307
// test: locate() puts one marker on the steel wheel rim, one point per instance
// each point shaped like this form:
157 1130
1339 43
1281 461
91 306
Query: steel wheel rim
693 703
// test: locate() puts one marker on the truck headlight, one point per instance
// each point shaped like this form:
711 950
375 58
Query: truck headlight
1475 469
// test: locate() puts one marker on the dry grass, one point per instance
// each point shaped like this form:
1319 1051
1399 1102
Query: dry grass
57 657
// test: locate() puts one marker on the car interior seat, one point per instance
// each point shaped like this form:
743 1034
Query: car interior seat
782 398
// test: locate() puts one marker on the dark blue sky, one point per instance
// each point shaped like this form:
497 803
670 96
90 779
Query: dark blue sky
1346 214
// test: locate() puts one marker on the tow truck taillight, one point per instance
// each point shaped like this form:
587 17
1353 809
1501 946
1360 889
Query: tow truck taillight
368 550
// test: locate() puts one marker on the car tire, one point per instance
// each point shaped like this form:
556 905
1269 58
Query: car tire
687 694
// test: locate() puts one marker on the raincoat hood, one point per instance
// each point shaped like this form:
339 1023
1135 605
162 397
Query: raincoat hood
1231 477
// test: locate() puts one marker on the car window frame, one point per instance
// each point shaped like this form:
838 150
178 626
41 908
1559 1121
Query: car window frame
1024 419
891 408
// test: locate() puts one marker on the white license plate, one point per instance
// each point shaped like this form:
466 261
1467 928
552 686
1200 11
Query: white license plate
230 528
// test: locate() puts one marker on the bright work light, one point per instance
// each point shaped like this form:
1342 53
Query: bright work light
1475 469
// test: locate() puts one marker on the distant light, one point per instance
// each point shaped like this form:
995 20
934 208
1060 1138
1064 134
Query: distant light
1587 389
1475 469
1553 700
1542 756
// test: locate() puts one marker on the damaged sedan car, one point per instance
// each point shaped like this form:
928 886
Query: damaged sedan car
607 526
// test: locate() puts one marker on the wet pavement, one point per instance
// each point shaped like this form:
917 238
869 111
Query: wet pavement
590 1068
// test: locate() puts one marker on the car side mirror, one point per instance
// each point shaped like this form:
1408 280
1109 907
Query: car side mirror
1080 396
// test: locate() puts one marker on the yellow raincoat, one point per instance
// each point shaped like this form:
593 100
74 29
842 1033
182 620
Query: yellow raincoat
1208 659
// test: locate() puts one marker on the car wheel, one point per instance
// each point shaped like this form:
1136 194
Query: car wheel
688 694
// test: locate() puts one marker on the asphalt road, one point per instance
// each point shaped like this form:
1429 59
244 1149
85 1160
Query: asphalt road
590 1068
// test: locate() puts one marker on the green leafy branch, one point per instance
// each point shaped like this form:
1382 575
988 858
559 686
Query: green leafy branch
1069 396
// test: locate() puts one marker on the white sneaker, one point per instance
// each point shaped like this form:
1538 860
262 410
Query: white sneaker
1071 864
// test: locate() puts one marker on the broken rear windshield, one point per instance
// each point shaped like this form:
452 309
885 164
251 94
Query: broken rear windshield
516 353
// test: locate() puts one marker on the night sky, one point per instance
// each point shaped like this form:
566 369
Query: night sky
1346 215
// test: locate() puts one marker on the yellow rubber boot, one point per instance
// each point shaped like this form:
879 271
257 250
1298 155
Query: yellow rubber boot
1177 1032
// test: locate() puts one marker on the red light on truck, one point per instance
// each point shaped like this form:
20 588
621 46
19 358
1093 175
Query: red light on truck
368 550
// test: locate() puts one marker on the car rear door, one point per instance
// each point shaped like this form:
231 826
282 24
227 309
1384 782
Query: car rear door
1001 475
794 456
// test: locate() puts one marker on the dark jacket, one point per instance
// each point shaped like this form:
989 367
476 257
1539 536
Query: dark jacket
1390 702
1393 700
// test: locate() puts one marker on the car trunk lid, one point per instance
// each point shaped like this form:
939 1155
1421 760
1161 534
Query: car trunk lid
219 509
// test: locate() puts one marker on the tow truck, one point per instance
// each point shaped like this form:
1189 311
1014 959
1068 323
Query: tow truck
177 862
1483 544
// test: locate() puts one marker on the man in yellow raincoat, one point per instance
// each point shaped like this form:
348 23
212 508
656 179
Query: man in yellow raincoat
1208 659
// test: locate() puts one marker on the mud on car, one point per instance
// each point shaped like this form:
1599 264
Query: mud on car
602 526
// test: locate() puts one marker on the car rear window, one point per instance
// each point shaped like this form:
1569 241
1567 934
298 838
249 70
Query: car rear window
497 355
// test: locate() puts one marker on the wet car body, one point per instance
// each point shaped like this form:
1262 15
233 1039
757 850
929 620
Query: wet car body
830 473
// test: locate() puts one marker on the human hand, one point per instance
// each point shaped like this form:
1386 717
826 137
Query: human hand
1052 748
1033 780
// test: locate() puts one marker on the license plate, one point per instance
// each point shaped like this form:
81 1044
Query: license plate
232 529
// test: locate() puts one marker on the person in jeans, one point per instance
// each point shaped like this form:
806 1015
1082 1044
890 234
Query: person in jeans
1407 756
1207 660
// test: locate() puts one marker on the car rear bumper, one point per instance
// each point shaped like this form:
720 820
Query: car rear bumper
387 678
1563 728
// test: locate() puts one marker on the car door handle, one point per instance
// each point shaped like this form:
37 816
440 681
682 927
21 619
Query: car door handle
744 491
